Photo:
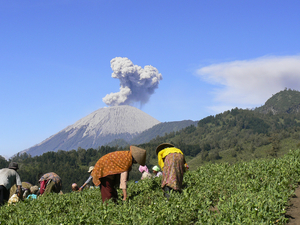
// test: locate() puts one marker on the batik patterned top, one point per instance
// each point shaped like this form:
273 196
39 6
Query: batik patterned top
173 171
54 177
110 164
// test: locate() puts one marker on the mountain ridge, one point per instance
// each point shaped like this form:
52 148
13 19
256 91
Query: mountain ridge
286 101
96 129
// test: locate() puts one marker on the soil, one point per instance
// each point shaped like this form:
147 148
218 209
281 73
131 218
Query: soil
293 211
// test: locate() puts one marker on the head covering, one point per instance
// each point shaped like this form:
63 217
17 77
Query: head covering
13 165
143 169
138 154
112 163
156 168
90 169
146 175
74 187
163 146
34 189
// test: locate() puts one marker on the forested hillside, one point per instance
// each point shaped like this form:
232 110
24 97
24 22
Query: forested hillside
287 101
160 130
230 136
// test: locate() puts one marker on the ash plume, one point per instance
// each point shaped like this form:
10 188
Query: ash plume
136 84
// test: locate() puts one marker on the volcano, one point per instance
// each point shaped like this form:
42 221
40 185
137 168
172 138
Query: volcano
97 129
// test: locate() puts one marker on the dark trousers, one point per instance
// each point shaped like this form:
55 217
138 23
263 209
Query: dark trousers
108 190
4 195
167 191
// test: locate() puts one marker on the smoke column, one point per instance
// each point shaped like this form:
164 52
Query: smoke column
136 84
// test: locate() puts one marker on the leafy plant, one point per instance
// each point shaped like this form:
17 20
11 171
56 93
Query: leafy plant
254 192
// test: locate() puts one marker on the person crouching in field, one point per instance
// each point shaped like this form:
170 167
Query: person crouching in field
50 182
34 191
9 177
25 189
75 187
172 161
156 171
114 167
145 172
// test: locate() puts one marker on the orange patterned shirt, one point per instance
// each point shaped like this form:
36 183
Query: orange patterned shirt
111 163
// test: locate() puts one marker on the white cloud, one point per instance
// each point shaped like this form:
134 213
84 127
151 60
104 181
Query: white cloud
249 83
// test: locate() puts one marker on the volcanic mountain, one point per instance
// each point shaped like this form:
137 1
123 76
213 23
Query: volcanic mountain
97 129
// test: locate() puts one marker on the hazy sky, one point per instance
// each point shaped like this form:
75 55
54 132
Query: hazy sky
60 60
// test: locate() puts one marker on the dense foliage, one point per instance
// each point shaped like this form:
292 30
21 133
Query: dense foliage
286 101
254 192
71 166
236 134
160 130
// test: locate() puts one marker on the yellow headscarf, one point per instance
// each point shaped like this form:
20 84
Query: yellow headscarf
163 153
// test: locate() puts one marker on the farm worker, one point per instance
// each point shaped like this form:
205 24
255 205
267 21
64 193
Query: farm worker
145 172
89 179
172 161
114 167
156 171
75 187
9 177
25 189
50 182
186 166
34 190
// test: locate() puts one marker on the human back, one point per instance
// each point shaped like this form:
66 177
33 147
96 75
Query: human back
9 177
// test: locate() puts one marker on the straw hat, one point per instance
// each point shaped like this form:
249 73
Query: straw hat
138 154
162 146
34 189
90 169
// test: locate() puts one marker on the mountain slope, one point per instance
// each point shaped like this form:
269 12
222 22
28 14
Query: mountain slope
286 101
98 128
160 130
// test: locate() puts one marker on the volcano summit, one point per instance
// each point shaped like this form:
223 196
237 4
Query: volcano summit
97 129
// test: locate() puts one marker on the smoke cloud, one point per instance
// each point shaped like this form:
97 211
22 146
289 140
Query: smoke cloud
250 83
136 84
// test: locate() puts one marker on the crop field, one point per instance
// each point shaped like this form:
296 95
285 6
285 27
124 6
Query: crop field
255 192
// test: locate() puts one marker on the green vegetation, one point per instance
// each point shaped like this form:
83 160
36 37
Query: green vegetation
287 101
231 136
241 172
254 192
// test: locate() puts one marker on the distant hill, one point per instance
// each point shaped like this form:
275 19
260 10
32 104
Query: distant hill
240 134
287 101
112 126
97 129
232 136
160 130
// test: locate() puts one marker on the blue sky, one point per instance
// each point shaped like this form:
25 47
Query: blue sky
212 55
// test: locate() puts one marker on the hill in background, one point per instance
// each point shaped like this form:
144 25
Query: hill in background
287 101
97 129
232 136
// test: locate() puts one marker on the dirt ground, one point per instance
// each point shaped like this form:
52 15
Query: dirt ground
293 212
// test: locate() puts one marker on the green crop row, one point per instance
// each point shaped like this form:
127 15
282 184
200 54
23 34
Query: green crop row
255 192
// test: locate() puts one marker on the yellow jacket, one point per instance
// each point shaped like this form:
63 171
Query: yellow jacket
163 153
